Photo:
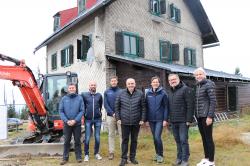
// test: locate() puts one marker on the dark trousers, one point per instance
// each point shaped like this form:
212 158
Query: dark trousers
132 131
156 129
207 138
68 131
180 132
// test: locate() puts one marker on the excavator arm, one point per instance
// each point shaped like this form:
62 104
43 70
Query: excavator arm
22 76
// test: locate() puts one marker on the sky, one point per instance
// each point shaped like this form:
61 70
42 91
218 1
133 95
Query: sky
26 23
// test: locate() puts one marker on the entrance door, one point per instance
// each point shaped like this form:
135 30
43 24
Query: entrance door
232 98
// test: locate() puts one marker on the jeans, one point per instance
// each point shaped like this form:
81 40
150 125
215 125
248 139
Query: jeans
88 130
112 125
129 131
68 131
207 138
156 129
180 132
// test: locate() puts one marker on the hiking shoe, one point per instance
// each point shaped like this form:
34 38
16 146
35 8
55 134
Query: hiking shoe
63 162
177 162
155 157
79 160
86 158
111 156
209 163
134 161
123 162
159 159
98 156
202 162
184 163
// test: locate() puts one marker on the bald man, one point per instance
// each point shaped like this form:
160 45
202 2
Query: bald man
130 112
93 117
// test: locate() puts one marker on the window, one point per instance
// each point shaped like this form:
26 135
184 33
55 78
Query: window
157 7
189 57
56 22
67 56
53 62
165 52
83 47
175 14
129 44
81 5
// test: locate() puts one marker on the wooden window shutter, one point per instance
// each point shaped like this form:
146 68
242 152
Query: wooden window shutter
79 49
85 46
186 57
119 49
163 6
194 57
175 52
172 10
178 15
63 58
141 47
71 54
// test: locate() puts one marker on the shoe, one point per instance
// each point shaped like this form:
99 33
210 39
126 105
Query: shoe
79 160
159 159
177 162
111 156
123 162
98 156
134 161
155 157
63 162
184 163
209 163
86 158
202 162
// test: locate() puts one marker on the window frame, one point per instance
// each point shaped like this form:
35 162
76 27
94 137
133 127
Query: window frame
190 53
170 52
54 61
176 13
67 56
131 35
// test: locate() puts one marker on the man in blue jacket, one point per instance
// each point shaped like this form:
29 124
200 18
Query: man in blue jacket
109 104
71 109
157 111
93 117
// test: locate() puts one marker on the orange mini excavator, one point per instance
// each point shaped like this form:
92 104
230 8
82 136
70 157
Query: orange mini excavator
42 100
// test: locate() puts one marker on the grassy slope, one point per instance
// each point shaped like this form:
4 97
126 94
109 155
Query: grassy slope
230 151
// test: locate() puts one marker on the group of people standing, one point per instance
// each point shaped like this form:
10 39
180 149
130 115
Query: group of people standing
127 109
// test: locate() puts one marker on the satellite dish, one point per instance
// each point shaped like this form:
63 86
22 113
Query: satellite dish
90 56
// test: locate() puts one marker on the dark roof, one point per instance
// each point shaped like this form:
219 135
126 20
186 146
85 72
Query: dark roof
208 34
195 6
175 68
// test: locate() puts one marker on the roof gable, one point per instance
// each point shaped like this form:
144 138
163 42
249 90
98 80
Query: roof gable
67 15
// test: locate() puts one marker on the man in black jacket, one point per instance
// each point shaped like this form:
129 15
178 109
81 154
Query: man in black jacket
181 110
130 112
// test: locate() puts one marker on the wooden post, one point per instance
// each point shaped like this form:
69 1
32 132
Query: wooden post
164 79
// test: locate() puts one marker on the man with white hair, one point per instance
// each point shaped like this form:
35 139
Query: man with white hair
130 112
205 101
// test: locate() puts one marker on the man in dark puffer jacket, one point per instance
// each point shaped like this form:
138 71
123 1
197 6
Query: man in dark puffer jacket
205 107
181 111
130 112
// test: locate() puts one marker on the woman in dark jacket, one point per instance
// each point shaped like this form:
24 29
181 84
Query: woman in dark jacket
157 110
205 102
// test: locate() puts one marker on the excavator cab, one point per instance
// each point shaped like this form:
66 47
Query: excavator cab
53 88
